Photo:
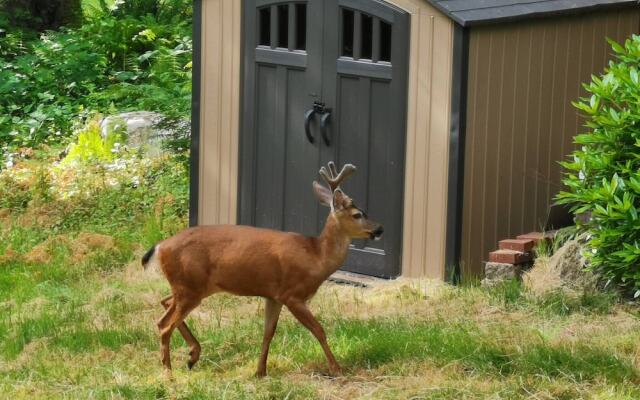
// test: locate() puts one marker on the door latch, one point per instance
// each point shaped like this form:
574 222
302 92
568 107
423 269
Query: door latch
325 113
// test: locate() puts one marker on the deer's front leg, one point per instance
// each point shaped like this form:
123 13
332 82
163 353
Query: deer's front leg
301 312
271 314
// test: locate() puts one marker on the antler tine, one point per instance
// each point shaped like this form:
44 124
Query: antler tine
332 177
346 171
333 169
327 178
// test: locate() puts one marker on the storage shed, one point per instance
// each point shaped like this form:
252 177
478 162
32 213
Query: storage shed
454 111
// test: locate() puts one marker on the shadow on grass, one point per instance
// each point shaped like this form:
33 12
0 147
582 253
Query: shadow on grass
384 342
370 344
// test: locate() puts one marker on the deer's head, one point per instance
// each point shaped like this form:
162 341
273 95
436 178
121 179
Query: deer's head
352 220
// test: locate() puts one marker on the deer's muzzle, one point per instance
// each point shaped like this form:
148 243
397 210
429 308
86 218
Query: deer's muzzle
377 233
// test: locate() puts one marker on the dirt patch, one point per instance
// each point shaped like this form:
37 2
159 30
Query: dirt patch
42 253
9 255
83 245
94 241
42 215
5 213
88 242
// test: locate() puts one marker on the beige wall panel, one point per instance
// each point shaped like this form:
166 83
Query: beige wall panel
520 122
219 111
428 120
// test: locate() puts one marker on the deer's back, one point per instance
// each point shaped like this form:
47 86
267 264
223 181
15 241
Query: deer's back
238 259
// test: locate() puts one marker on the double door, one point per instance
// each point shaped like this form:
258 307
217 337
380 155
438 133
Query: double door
325 80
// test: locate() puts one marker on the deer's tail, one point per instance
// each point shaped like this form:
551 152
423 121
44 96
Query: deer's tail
147 257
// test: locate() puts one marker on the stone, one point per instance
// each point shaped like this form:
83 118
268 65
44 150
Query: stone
495 272
144 129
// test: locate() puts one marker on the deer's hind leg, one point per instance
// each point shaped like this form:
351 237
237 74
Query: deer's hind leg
174 316
194 345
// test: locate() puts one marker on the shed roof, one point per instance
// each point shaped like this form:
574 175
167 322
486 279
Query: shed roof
476 12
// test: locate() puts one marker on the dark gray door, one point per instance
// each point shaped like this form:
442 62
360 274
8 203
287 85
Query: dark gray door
351 56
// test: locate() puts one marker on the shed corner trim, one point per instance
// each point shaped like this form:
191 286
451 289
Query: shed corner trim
194 156
457 128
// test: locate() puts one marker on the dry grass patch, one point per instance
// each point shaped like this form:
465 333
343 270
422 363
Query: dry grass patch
79 248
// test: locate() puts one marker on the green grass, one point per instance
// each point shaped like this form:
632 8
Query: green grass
84 327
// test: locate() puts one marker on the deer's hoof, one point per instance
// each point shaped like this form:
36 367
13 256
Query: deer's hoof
190 364
261 374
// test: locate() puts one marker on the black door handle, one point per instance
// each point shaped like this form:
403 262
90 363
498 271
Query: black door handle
307 120
324 120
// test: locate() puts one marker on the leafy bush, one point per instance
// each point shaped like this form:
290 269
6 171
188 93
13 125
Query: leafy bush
603 179
44 87
133 55
91 146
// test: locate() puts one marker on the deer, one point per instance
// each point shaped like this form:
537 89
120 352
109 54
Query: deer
284 268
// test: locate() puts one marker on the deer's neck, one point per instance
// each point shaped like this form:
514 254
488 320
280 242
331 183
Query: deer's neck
334 244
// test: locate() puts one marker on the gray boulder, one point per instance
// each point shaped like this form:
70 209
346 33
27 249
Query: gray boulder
145 130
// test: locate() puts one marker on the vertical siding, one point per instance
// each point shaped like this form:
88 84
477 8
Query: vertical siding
520 122
428 120
219 112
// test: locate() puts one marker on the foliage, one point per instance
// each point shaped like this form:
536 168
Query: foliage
603 179
91 146
546 248
115 61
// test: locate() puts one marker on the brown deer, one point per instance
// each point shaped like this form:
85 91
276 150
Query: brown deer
283 267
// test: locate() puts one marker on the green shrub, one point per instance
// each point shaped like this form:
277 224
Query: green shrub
125 57
603 178
92 147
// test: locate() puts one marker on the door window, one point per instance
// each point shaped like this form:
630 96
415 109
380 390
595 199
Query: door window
365 37
283 26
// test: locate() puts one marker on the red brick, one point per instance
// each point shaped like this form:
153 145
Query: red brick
509 257
522 245
538 236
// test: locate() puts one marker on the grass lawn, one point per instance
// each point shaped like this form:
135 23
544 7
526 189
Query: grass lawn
78 314
86 331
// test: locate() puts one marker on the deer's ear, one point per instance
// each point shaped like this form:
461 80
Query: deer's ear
323 194
339 200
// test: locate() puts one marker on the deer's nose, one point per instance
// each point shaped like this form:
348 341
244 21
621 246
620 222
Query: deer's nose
377 234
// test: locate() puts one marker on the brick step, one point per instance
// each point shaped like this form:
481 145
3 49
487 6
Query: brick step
509 257
537 236
522 245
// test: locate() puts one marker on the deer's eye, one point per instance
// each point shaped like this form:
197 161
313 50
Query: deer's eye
357 215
